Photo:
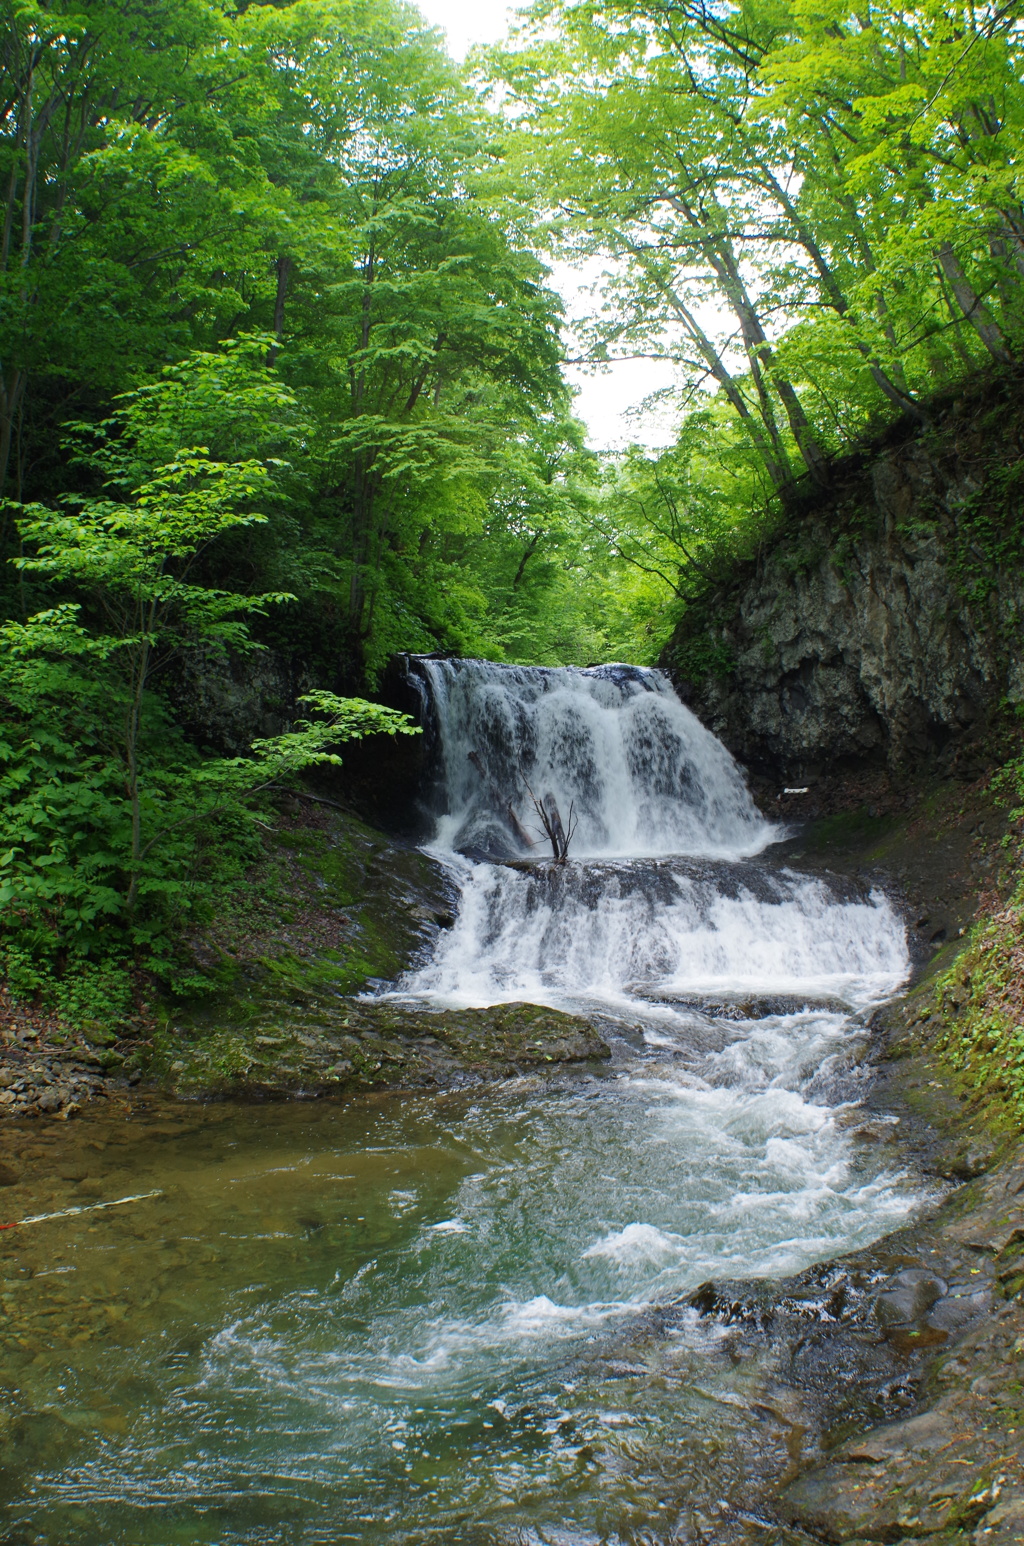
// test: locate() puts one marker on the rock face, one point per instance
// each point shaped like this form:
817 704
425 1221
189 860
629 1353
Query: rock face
883 623
224 702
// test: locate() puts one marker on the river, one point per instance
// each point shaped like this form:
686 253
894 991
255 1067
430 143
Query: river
437 1318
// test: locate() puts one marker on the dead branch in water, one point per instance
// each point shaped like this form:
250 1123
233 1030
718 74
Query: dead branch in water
551 820
557 834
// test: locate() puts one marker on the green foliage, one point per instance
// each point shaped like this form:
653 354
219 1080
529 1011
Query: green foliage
815 210
989 538
982 1012
115 833
979 1001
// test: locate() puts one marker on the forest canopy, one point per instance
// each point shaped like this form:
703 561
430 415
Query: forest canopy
282 366
813 213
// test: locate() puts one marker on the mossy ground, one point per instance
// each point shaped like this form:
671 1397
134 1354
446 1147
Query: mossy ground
974 1010
978 1010
333 907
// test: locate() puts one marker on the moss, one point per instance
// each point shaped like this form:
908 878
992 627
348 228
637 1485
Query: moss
702 656
331 908
859 828
978 1004
341 1045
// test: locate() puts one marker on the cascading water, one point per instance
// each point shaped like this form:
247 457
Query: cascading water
428 1319
660 900
612 744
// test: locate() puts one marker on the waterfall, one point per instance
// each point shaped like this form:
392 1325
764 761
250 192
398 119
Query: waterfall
613 745
664 899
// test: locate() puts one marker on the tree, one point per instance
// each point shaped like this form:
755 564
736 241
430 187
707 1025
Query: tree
131 218
103 796
754 172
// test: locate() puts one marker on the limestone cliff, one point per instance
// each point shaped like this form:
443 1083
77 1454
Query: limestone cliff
883 621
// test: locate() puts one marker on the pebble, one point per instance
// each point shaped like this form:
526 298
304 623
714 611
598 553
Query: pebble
51 1085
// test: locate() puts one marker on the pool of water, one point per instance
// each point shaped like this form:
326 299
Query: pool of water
417 1319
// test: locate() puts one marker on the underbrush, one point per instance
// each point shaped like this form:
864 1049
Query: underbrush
979 1001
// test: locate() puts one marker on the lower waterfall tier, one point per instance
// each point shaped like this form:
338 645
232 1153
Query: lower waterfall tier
642 933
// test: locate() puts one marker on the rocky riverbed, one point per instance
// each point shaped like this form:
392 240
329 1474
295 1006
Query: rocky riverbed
885 1398
895 1376
46 1073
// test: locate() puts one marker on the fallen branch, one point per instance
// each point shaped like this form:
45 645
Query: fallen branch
89 1207
551 820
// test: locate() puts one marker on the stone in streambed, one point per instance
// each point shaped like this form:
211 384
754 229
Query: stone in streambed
366 1044
908 1297
416 1046
1003 1526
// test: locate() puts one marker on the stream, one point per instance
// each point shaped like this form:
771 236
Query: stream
438 1317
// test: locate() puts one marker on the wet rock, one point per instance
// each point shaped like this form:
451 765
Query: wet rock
876 657
908 1296
958 1309
997 1222
356 1044
968 1160
1003 1525
880 1130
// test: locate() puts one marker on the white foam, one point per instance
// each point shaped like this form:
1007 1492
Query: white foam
637 1243
613 745
621 932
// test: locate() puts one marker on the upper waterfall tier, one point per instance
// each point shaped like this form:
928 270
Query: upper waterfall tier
612 745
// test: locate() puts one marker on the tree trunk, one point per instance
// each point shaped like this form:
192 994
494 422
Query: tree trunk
284 268
775 464
971 304
11 397
723 260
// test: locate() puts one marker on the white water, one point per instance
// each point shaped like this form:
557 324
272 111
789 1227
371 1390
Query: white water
613 744
739 987
621 935
399 1320
660 899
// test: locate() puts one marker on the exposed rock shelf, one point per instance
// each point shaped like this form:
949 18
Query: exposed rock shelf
353 1045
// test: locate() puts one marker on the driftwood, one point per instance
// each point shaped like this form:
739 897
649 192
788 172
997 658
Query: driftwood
550 819
557 834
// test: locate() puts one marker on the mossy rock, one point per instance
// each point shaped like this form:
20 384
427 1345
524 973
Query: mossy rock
335 908
353 1045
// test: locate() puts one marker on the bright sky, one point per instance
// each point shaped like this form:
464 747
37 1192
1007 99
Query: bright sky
605 397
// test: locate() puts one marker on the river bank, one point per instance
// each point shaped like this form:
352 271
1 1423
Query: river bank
877 1397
